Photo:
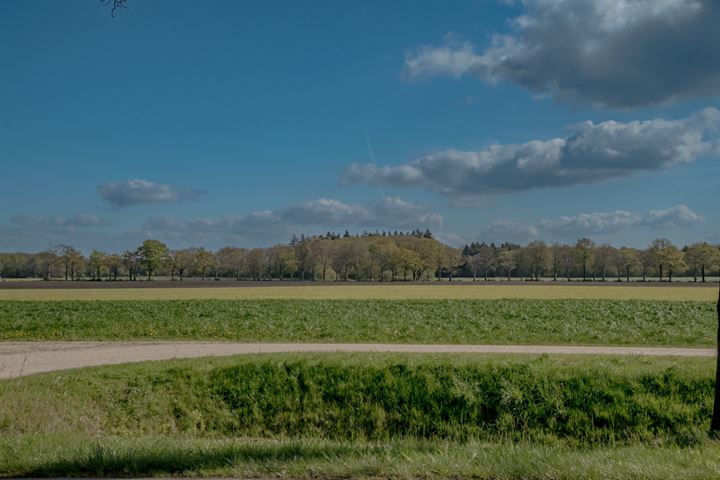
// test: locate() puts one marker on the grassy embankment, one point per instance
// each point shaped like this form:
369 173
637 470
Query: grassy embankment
599 322
385 415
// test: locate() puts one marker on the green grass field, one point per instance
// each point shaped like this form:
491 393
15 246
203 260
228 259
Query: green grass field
431 291
600 322
368 415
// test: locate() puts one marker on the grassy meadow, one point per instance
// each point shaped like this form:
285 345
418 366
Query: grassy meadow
510 321
367 415
395 291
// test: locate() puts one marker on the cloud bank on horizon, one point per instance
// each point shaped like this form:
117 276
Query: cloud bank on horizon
594 153
585 224
80 220
388 213
579 52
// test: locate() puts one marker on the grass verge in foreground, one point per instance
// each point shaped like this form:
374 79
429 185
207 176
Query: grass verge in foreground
69 455
581 401
599 322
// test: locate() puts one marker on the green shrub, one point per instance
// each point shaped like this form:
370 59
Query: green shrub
458 402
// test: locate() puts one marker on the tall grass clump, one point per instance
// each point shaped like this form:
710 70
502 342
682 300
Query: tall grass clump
459 402
374 397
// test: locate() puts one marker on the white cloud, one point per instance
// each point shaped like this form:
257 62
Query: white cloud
679 216
509 231
620 53
584 224
594 153
588 223
326 212
137 191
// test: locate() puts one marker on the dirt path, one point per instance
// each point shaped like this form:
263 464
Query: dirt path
18 359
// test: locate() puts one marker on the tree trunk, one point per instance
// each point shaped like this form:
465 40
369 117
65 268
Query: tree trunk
715 424
702 271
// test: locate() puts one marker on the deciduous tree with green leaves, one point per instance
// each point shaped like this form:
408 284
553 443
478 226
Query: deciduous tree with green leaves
152 254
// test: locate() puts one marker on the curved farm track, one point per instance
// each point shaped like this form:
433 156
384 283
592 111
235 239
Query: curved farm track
19 359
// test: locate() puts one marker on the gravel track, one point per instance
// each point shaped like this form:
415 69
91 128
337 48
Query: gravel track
19 359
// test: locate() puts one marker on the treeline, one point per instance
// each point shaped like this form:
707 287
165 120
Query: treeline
386 256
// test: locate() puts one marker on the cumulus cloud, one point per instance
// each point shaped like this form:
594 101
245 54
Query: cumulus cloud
680 216
137 191
595 152
80 220
390 212
618 53
598 223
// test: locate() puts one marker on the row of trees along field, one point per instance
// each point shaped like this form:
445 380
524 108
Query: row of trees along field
387 256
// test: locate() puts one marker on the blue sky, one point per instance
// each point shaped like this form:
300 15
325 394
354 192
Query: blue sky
213 123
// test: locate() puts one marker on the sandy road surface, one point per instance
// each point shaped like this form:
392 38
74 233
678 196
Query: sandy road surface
25 358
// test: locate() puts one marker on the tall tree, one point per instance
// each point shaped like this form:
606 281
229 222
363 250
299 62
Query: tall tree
45 261
700 257
130 261
450 260
254 263
584 249
114 262
646 260
557 252
152 254
97 262
675 259
507 261
625 259
231 259
70 257
660 249
203 260
536 255
603 257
